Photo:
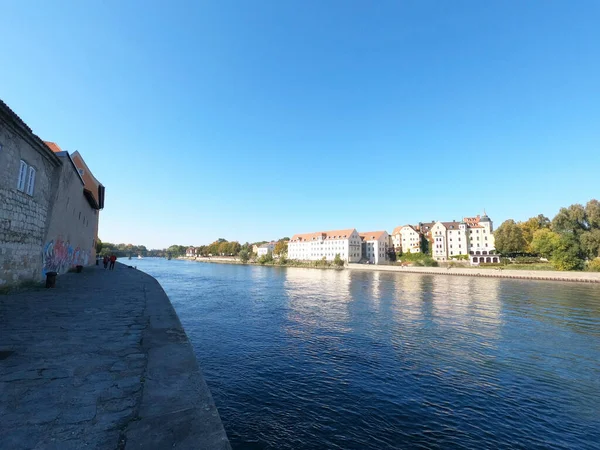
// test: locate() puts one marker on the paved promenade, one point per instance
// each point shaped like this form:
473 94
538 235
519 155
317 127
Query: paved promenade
101 362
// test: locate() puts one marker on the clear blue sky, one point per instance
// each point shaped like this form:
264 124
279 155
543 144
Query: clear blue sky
253 120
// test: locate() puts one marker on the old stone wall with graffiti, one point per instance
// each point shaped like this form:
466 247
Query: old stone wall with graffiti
59 256
70 239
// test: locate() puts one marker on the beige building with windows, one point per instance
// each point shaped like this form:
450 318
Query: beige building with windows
326 244
448 239
407 239
375 246
473 236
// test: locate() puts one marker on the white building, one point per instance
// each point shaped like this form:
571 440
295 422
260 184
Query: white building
375 246
190 252
481 240
264 249
407 239
326 244
448 240
472 236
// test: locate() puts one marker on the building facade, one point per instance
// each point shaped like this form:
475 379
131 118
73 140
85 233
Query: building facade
473 236
48 215
326 244
409 239
482 245
190 252
375 246
266 248
27 172
449 239
72 228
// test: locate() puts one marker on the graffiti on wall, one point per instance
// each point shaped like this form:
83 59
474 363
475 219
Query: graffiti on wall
59 256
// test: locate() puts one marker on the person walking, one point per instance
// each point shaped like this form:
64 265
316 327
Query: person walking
113 258
105 261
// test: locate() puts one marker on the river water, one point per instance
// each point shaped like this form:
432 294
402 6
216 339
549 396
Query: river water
320 359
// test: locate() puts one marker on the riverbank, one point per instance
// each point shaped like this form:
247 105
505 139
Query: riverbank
546 275
102 362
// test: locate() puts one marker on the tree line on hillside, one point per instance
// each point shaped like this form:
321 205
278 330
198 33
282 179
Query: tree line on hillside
570 239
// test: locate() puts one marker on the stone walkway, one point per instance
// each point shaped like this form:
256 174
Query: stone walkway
101 362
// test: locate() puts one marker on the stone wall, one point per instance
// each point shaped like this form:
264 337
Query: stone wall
23 217
72 224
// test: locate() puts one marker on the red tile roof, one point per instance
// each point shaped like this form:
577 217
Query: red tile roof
53 146
334 234
371 235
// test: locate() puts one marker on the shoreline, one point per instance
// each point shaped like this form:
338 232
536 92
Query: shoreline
536 275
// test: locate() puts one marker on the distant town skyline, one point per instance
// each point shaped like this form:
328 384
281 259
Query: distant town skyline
253 121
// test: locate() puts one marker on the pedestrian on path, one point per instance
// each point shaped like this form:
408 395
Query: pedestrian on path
105 261
113 258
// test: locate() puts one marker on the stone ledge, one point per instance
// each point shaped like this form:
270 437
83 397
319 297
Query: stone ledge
177 409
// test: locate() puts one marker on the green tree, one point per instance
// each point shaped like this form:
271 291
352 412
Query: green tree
567 255
592 211
338 261
223 248
544 242
281 248
268 258
594 265
244 255
530 226
425 245
590 243
98 246
509 238
213 249
571 220
234 248
177 250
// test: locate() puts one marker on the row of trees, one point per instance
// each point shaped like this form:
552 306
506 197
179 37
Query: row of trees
120 250
568 240
223 247
220 247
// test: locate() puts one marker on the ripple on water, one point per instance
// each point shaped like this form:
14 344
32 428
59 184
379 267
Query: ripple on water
310 359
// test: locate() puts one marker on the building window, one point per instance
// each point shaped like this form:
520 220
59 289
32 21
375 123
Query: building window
31 181
22 176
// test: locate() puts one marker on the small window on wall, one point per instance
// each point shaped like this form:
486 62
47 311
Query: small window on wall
22 176
31 181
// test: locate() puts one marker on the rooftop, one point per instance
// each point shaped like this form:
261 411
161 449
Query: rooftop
334 234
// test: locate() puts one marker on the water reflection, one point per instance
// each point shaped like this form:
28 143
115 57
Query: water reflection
305 359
